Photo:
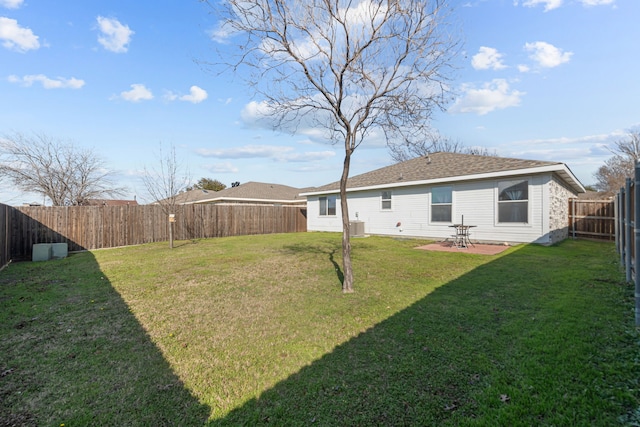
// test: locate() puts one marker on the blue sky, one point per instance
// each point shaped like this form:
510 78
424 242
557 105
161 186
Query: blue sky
537 79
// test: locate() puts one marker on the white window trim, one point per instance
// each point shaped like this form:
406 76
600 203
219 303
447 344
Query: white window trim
496 202
320 215
390 199
453 206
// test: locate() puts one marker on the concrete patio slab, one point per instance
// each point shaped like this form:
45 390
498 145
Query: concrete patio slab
477 248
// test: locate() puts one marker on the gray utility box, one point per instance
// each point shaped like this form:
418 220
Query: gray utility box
356 228
47 251
42 252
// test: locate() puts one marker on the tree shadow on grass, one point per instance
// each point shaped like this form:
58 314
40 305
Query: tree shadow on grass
330 249
467 354
72 353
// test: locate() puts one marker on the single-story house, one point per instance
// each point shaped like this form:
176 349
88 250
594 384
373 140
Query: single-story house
506 200
253 193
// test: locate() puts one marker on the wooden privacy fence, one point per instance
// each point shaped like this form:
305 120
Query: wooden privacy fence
628 234
592 219
97 227
5 242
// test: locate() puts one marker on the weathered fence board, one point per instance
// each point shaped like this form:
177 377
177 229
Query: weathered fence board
628 233
96 227
5 235
592 219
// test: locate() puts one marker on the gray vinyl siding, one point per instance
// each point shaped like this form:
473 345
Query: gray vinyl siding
410 214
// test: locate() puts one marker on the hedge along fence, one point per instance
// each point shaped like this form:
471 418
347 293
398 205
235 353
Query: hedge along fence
97 227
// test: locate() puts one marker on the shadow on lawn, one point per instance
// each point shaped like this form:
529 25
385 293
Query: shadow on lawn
330 249
72 353
436 361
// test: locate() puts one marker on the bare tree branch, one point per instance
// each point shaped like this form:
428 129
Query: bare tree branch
433 144
166 179
347 67
611 176
62 172
164 182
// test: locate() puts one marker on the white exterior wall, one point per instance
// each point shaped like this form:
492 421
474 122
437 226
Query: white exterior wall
410 207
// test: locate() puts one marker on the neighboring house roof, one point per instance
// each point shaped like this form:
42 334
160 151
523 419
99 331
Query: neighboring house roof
250 192
449 167
110 202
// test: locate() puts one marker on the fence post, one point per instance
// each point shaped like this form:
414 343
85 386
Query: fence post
573 218
616 221
621 222
636 232
627 229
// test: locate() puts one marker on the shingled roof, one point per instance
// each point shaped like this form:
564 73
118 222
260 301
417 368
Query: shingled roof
257 192
449 167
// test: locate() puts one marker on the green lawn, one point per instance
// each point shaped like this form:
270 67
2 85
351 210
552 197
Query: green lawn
255 330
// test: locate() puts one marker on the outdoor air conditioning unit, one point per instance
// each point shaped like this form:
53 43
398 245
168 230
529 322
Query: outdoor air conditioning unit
356 228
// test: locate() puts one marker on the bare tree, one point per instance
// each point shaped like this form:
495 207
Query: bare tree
432 144
164 182
353 68
59 170
612 175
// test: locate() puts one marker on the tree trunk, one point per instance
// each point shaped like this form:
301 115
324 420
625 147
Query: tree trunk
170 233
347 281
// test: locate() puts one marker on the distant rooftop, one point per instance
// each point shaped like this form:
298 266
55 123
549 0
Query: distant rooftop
258 192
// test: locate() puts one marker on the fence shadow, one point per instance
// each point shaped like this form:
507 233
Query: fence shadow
98 227
72 353
408 369
31 231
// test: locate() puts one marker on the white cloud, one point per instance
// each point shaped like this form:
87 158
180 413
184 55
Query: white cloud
547 55
115 36
364 13
589 3
487 58
309 156
222 33
523 68
48 83
137 93
554 4
225 167
15 37
255 109
548 4
11 4
494 95
196 95
246 152
278 153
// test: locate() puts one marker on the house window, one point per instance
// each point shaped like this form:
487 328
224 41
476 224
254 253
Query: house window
328 205
386 200
441 204
513 201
